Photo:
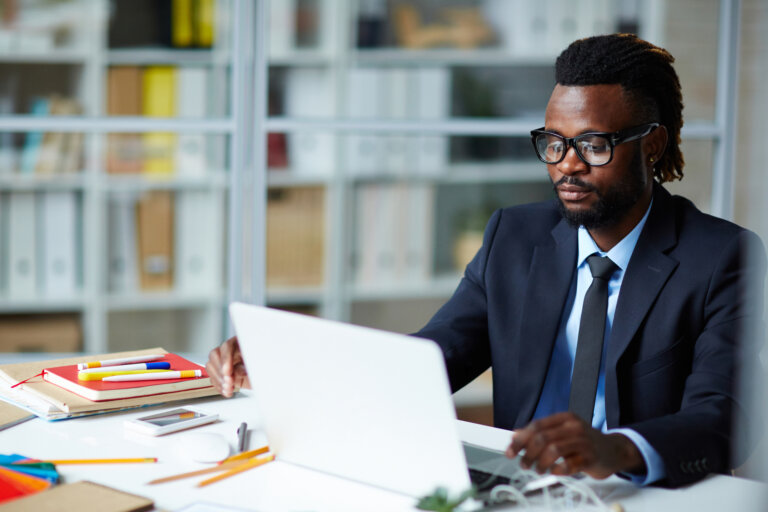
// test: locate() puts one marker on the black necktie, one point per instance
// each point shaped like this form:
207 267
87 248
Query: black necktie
589 348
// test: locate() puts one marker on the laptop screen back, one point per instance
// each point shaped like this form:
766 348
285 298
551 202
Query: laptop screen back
367 405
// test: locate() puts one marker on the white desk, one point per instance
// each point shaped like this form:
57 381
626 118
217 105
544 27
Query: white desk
281 486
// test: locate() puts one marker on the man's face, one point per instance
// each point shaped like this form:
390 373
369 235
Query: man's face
591 196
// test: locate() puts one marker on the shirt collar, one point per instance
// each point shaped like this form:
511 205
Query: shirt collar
619 253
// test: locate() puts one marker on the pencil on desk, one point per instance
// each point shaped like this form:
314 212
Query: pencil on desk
246 455
245 466
96 461
180 476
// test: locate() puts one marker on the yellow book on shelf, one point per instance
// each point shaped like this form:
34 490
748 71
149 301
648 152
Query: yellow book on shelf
159 100
181 23
204 21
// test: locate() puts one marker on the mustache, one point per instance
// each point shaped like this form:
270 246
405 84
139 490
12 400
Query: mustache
572 180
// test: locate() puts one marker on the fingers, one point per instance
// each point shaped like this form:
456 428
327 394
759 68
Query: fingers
213 369
565 457
225 367
557 443
240 376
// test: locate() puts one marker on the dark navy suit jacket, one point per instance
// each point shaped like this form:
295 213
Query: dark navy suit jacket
676 341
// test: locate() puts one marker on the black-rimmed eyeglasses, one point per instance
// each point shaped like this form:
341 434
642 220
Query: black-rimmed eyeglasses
593 148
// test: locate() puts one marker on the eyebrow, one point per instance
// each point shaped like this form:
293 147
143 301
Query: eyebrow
581 133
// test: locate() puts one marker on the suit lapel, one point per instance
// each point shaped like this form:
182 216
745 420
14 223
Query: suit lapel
550 276
648 270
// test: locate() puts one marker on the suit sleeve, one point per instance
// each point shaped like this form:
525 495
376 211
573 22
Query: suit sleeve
697 440
460 327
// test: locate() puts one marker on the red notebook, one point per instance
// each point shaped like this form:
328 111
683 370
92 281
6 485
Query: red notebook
97 390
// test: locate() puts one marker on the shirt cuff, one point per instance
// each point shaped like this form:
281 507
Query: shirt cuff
653 463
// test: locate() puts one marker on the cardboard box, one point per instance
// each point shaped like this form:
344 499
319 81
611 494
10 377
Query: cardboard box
40 333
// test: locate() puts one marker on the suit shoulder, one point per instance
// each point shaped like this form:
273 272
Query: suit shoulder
693 222
542 215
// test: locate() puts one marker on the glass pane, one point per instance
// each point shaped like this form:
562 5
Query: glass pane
141 217
165 241
43 157
42 233
59 332
47 29
181 330
193 91
296 237
166 156
696 184
684 22
41 89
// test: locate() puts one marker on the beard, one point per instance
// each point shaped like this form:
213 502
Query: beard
613 204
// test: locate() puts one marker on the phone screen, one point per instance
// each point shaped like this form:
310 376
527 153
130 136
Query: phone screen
171 417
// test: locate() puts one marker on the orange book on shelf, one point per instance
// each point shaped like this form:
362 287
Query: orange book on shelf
124 150
97 390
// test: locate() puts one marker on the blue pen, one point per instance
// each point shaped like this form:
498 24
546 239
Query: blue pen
129 367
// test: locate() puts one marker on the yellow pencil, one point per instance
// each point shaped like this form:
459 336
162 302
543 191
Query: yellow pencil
98 461
246 455
239 469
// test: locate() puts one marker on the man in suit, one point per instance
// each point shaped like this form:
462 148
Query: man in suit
613 315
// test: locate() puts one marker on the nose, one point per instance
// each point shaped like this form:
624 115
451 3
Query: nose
571 163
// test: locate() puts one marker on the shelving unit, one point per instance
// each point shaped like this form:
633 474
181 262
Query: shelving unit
188 319
255 64
462 182
333 61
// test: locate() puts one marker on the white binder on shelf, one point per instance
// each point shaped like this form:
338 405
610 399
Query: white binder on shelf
22 246
396 99
528 26
363 151
419 241
309 94
58 225
123 276
433 103
563 24
282 28
366 215
191 100
199 221
386 244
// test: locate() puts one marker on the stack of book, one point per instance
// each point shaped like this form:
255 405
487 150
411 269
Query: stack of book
54 390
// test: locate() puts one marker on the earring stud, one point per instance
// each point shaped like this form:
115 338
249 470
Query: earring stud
652 160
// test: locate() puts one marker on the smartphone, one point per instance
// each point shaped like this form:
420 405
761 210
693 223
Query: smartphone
170 421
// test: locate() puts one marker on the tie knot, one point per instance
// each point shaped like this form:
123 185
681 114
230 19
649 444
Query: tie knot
601 266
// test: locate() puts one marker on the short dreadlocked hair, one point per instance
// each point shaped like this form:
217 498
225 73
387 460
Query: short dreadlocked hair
645 73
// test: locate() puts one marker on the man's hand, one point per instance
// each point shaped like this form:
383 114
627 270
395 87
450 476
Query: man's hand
226 369
565 444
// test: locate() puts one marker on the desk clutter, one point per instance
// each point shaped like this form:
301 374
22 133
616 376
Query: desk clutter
58 389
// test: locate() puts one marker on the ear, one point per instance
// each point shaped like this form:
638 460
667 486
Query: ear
654 145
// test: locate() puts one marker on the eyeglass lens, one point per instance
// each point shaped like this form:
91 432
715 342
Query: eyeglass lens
594 149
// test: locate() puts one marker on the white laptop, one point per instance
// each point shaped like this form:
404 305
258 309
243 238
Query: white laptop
359 403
